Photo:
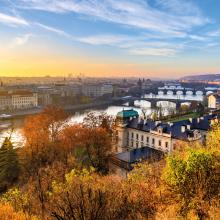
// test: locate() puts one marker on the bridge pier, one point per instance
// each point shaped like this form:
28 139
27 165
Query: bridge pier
131 103
153 103
178 105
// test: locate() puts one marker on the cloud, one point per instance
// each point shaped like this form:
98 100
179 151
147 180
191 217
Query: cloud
21 40
136 13
52 29
134 46
12 20
179 6
153 52
215 33
103 39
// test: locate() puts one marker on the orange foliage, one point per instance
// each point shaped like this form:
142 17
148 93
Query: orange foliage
7 213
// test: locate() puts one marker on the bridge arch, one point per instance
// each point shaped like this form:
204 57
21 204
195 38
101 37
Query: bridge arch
209 92
165 104
189 92
142 103
160 92
199 92
179 92
169 92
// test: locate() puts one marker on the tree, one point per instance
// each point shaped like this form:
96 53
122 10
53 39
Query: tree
103 120
86 195
98 146
193 181
154 116
213 137
9 164
7 212
184 108
42 133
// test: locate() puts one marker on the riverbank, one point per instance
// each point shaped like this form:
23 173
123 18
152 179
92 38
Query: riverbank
68 108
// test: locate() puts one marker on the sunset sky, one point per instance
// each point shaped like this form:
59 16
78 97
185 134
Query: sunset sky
146 38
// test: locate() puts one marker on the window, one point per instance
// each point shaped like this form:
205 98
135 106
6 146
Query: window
153 141
166 144
137 145
159 142
147 139
142 138
137 136
132 135
132 144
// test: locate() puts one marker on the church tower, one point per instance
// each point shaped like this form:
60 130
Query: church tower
122 119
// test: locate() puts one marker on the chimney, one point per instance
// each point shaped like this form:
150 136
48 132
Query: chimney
157 122
183 128
170 124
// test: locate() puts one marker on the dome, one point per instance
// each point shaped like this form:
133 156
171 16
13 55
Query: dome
127 113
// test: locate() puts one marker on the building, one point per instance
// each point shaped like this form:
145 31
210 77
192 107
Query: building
21 99
96 90
214 101
138 139
133 132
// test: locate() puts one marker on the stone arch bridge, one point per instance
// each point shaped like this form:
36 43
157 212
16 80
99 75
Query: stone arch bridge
154 101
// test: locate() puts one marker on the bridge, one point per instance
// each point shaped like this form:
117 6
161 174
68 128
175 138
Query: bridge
155 101
183 91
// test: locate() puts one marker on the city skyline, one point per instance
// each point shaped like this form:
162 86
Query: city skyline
146 38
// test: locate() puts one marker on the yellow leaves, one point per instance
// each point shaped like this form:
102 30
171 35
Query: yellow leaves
83 174
213 138
7 213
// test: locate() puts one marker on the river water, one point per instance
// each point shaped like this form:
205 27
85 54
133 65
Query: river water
77 117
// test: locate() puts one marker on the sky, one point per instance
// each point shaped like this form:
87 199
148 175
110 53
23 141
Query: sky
109 38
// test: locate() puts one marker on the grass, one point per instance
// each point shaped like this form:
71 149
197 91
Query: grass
177 118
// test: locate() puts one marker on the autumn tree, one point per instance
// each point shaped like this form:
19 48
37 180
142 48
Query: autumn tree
213 137
92 145
193 181
86 195
9 164
184 108
103 120
42 139
7 212
97 145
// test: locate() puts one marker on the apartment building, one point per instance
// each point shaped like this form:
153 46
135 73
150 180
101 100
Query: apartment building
20 99
214 101
96 90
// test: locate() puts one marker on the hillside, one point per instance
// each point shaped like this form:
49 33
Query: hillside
205 77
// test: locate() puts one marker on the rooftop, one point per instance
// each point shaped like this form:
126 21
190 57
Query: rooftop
127 113
16 92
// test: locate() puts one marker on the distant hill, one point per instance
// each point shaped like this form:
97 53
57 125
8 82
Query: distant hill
205 78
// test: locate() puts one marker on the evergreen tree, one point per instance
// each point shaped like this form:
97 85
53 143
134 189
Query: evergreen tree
9 164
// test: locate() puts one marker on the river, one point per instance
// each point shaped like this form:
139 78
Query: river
77 117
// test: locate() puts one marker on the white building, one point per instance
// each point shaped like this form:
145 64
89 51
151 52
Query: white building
96 90
132 132
214 101
18 100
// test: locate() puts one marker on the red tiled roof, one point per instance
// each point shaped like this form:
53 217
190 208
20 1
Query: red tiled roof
16 92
